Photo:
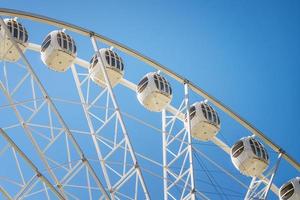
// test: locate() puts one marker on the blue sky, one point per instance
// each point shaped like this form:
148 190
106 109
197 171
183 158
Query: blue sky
244 53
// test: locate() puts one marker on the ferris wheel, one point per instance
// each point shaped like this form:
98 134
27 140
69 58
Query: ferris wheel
85 117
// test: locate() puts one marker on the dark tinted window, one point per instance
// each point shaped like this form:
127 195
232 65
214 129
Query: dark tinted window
122 68
156 81
59 40
9 26
213 118
162 84
210 114
252 146
203 110
66 42
46 43
46 46
218 119
26 36
258 149
21 34
237 149
107 59
70 43
46 40
287 191
192 112
114 60
142 84
17 30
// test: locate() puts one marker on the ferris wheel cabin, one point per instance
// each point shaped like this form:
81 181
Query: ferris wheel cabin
290 190
8 51
58 51
154 92
249 156
204 120
113 64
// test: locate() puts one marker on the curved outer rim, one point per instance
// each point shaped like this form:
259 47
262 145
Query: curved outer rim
149 61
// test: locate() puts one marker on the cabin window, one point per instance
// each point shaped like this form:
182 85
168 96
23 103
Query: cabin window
156 81
162 84
21 34
218 119
46 43
113 60
66 42
17 30
287 191
210 114
237 149
192 112
142 84
258 149
75 48
203 110
59 39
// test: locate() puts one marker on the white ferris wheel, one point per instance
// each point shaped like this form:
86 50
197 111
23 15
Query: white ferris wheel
85 117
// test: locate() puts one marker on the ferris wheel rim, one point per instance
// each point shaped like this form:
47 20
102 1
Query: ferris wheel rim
92 35
156 65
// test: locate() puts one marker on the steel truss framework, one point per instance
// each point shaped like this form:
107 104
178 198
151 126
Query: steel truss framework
108 177
177 151
259 188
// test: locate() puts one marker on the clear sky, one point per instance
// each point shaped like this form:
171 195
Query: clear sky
244 53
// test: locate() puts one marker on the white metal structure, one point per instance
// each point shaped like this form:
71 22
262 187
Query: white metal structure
58 51
7 50
205 122
290 190
113 64
181 156
60 148
154 92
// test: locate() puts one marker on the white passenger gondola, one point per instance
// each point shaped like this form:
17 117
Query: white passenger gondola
8 51
204 120
290 190
250 157
58 51
113 64
154 92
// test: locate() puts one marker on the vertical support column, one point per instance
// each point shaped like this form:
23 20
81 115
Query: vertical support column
178 170
165 162
137 168
190 149
272 176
